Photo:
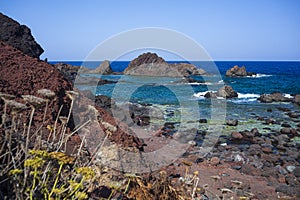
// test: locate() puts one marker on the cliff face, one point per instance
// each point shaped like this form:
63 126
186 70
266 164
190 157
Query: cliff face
149 64
19 36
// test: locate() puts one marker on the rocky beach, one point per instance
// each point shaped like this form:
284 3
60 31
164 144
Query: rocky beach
143 133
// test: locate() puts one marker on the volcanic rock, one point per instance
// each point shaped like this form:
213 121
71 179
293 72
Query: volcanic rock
69 71
297 99
276 96
104 69
19 36
150 64
23 75
237 71
227 92
236 135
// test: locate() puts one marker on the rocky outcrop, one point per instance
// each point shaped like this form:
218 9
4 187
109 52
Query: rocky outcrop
297 99
225 92
69 71
237 71
72 73
19 36
150 64
273 97
104 69
23 75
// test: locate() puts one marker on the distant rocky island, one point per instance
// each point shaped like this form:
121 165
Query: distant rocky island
237 71
150 64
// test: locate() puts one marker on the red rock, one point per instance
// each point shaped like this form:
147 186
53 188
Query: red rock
214 161
236 135
267 150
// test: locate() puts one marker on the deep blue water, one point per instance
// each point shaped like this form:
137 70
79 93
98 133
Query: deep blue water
272 76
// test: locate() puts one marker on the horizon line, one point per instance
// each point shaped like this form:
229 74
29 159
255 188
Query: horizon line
225 60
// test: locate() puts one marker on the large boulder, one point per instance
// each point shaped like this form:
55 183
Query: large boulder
19 36
237 71
227 92
297 99
150 64
104 69
273 97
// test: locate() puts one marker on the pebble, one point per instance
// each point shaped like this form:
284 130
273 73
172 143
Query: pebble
236 135
214 161
290 168
281 170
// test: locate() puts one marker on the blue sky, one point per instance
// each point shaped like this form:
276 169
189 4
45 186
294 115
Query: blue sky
228 30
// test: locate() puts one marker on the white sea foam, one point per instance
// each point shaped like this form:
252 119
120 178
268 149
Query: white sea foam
248 96
196 83
200 95
259 75
288 96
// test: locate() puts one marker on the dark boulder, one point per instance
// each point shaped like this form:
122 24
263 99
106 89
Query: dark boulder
273 97
19 36
227 92
237 71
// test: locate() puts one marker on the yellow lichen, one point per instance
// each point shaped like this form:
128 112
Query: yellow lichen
86 172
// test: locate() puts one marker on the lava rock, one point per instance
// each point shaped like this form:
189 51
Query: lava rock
19 36
104 69
236 135
227 92
150 64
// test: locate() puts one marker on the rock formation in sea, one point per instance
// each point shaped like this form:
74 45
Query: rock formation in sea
224 92
273 97
104 69
237 71
150 64
18 36
73 73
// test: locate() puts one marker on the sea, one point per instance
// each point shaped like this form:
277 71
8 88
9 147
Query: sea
179 101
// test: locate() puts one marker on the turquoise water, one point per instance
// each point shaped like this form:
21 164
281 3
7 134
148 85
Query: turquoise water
186 99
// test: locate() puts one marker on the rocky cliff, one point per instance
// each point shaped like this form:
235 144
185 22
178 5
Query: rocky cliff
150 64
19 36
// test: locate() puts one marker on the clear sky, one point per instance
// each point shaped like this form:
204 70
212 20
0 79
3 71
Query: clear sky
228 30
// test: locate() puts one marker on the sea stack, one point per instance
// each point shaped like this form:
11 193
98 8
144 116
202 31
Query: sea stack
150 64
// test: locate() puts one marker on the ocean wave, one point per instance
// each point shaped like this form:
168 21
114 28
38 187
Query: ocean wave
200 95
259 75
247 96
207 83
288 96
196 83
